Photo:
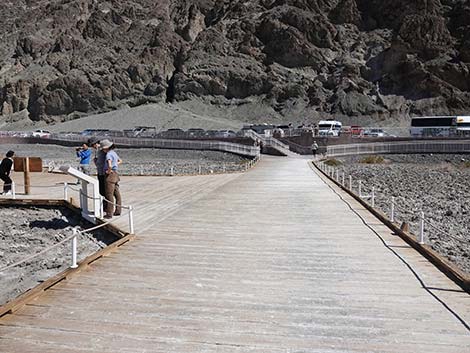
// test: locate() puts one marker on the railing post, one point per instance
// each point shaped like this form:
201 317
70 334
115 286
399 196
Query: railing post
350 183
200 169
360 188
13 190
373 197
66 191
101 206
421 228
342 180
392 210
131 219
172 171
337 175
74 249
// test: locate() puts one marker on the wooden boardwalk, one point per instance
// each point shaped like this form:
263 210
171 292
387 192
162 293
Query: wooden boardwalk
267 261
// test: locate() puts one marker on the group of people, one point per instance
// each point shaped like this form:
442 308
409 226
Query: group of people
107 164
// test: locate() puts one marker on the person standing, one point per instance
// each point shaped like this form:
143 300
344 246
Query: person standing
99 160
84 153
112 193
6 167
314 148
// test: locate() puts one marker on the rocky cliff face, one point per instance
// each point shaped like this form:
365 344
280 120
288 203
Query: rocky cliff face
375 58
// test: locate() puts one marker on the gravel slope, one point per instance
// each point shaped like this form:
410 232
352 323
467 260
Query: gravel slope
162 116
26 231
437 184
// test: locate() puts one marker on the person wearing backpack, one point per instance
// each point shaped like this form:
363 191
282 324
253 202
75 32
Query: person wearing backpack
6 167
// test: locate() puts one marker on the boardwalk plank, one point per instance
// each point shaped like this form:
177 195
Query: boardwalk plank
267 261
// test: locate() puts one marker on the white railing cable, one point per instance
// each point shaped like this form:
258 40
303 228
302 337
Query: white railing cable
396 206
441 231
29 258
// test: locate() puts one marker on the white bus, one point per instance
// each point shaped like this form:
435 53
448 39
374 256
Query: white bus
329 128
463 125
436 126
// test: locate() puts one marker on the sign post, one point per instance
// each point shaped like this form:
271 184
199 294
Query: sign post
27 165
27 177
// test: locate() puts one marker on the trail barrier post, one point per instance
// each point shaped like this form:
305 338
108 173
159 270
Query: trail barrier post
66 191
421 228
131 219
74 249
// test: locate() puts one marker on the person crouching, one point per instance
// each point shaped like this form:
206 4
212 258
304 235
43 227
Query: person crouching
112 193
6 167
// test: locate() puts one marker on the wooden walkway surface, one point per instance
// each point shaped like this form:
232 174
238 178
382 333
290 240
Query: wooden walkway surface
267 261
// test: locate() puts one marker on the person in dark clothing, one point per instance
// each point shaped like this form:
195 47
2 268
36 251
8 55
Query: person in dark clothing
100 160
5 170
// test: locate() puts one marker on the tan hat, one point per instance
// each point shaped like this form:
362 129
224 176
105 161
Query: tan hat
105 144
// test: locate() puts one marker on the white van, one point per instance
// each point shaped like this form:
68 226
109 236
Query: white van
329 128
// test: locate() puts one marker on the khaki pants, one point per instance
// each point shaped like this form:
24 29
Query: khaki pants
112 193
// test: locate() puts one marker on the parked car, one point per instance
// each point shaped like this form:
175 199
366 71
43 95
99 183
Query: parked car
210 133
41 134
21 134
95 132
374 133
225 134
196 132
142 131
172 133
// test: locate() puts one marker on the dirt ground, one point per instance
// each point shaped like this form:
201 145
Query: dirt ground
26 231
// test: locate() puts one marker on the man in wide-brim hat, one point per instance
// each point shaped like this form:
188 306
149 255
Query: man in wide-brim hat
112 193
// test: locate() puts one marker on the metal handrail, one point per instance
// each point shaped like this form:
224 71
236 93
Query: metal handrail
394 206
72 237
231 147
269 141
400 147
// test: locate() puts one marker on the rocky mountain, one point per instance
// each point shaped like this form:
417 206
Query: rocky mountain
384 59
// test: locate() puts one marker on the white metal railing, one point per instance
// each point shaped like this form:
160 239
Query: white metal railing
236 148
269 142
74 242
357 187
75 232
66 187
400 147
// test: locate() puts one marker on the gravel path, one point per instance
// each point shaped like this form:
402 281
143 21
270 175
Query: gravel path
144 161
437 184
26 231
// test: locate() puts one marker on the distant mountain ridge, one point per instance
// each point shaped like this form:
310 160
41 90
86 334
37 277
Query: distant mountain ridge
363 58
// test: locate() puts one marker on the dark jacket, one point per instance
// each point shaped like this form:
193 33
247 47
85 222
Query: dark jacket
6 166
